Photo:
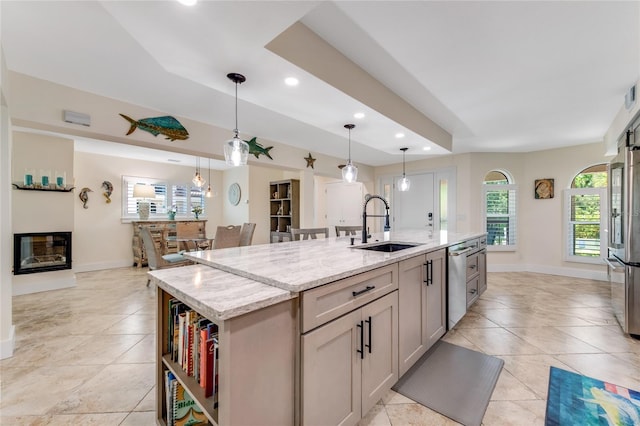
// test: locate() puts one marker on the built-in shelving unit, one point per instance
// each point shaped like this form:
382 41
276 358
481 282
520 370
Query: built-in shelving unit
284 208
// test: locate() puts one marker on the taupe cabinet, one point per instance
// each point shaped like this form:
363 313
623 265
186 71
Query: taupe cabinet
350 362
476 276
422 305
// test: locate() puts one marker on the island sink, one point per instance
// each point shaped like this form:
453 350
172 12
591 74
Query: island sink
388 247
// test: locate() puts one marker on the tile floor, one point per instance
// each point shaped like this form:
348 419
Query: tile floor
85 356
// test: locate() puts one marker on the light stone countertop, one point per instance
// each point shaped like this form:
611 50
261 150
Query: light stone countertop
216 294
301 265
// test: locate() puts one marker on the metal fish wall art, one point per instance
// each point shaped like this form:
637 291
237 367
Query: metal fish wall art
256 149
167 126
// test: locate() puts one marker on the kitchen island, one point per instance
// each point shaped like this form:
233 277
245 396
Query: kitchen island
310 332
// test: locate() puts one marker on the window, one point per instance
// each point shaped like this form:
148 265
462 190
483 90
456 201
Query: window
500 201
585 215
182 196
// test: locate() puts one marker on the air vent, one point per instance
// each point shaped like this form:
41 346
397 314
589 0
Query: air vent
77 118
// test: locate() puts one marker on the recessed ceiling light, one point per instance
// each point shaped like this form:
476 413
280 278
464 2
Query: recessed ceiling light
188 2
426 148
291 81
399 135
358 115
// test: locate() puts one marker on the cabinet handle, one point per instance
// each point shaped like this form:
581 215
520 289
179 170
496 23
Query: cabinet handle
369 322
473 266
473 291
368 288
429 272
361 350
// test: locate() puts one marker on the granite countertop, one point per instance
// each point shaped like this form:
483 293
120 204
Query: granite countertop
216 294
301 265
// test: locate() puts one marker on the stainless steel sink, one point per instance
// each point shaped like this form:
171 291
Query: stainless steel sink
388 247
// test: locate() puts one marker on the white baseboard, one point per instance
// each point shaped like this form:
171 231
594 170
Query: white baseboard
99 266
44 285
6 346
551 270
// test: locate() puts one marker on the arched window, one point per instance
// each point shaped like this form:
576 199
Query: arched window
585 215
500 204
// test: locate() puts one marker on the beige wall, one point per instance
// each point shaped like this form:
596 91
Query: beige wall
42 211
102 240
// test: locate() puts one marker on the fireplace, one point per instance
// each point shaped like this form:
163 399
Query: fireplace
41 252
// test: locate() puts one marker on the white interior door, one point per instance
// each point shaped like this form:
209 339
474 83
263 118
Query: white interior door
414 209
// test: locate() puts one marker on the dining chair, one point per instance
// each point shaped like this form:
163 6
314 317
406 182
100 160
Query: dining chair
308 233
155 258
246 234
348 230
227 236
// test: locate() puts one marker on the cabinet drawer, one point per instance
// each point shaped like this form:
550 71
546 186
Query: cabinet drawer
325 303
472 265
472 290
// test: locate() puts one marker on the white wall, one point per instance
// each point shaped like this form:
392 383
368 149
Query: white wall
101 239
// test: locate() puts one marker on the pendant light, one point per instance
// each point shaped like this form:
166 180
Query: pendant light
209 194
403 183
197 178
236 151
350 171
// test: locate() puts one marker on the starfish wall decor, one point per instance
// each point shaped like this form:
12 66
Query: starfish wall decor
310 161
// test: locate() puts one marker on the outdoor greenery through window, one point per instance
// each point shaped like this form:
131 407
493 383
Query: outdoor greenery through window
182 197
585 214
500 201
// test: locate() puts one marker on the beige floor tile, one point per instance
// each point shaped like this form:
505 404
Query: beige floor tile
134 324
553 341
475 320
604 367
117 388
416 415
101 349
35 351
24 420
148 403
393 397
497 341
93 419
508 388
143 351
140 418
455 338
533 370
606 338
515 413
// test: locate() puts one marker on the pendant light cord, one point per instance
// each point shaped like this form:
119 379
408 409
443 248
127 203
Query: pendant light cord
236 129
403 153
349 145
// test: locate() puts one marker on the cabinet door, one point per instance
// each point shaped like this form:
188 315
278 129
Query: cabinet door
412 319
380 362
344 204
331 373
436 321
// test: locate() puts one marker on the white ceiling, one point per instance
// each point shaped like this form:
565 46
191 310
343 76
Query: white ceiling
498 76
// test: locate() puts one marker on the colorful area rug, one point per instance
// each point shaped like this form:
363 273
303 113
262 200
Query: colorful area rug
574 399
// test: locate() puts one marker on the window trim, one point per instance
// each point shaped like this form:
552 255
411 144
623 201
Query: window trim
513 217
567 194
169 188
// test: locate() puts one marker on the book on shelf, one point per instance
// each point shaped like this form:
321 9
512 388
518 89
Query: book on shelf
182 409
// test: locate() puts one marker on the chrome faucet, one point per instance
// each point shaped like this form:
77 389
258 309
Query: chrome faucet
368 198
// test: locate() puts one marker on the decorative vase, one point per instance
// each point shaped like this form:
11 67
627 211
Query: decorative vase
196 215
172 215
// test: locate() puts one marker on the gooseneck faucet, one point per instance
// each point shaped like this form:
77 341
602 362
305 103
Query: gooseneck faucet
368 198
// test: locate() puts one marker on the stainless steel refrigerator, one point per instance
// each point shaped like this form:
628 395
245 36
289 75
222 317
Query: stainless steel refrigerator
624 231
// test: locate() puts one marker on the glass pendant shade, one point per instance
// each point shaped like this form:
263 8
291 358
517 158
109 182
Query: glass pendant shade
403 183
236 152
349 172
209 194
198 180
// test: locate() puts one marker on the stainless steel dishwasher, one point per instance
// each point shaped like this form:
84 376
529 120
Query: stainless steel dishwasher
457 281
